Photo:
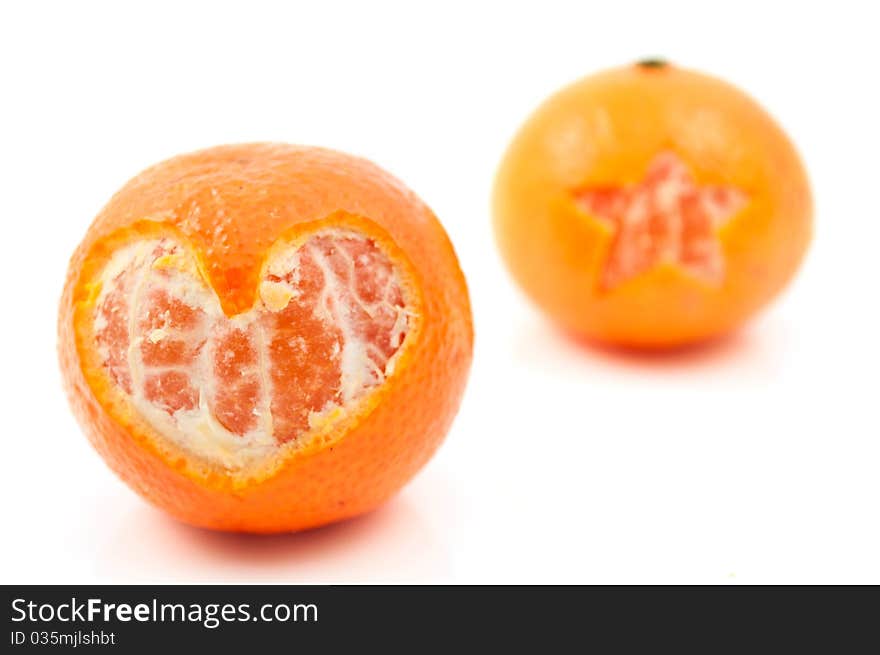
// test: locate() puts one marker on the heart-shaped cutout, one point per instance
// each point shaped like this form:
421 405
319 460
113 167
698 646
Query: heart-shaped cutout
329 319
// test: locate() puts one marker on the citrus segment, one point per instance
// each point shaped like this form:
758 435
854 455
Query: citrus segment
238 374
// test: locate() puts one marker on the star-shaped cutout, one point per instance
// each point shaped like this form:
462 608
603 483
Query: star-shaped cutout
666 218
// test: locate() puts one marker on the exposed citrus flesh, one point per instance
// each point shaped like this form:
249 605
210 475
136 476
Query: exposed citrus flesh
666 218
265 337
329 318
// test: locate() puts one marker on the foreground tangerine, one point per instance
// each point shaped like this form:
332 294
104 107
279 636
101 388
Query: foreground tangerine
651 206
265 337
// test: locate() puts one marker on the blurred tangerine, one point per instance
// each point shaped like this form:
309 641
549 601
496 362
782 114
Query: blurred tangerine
651 206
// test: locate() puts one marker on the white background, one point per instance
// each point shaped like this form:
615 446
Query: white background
756 460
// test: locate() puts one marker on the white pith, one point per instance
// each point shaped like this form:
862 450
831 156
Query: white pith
198 430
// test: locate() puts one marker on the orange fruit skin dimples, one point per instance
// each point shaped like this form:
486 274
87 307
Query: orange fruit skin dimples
651 206
265 337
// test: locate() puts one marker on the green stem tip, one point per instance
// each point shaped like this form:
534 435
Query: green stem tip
652 62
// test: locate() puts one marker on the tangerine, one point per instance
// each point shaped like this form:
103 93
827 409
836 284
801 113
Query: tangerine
265 337
651 206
